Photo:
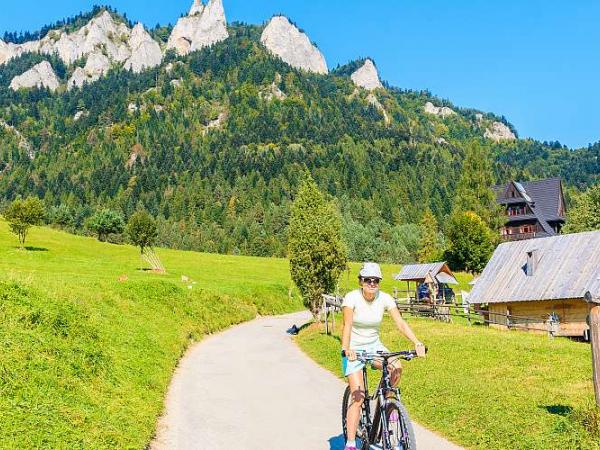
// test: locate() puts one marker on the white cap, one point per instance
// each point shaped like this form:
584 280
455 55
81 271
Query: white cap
370 269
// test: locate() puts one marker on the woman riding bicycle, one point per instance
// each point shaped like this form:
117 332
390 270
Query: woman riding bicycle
363 312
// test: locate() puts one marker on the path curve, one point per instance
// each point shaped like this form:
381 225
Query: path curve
251 388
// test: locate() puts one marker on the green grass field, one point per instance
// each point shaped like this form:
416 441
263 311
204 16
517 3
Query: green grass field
86 359
487 389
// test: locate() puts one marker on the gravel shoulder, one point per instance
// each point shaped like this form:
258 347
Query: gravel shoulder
250 387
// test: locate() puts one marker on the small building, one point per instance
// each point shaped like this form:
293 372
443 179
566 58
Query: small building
436 274
537 283
533 209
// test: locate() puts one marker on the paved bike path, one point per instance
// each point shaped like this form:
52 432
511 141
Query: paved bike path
251 388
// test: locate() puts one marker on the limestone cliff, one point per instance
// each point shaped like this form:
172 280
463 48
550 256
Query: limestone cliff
40 75
285 40
145 51
442 111
367 76
203 27
499 132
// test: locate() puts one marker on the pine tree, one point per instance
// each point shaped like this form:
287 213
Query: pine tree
428 250
474 191
316 251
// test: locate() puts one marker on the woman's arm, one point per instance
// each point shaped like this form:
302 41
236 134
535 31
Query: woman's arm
348 314
406 331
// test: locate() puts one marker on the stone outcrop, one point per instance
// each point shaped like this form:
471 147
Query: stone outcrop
40 75
103 41
96 65
273 91
374 101
499 132
442 111
23 143
101 33
145 51
287 42
5 52
367 76
204 26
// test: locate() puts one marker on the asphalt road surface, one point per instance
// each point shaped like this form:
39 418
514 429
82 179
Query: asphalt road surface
251 388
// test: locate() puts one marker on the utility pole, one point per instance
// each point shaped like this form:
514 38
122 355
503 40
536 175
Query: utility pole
594 322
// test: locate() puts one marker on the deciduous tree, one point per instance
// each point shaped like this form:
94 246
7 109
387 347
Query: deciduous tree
471 242
585 213
21 215
106 222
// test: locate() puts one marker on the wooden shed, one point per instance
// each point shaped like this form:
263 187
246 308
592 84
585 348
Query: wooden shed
536 284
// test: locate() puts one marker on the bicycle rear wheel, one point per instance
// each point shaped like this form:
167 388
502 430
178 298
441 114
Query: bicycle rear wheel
400 429
362 440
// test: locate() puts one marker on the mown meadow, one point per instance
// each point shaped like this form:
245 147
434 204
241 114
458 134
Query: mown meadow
90 341
488 389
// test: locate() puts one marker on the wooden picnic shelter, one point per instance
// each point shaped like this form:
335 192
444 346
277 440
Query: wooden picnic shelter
432 274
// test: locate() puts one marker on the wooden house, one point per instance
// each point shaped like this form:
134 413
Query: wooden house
533 209
536 284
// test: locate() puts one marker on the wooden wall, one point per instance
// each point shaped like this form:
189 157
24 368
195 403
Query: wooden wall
572 314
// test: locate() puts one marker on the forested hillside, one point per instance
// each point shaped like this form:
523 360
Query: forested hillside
214 144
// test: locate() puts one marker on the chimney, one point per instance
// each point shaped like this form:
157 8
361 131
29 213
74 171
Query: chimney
531 262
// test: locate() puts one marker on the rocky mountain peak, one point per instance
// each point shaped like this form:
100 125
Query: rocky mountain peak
202 27
286 41
367 76
145 51
40 75
196 8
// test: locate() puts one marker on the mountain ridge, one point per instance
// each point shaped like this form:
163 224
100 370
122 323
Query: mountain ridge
213 143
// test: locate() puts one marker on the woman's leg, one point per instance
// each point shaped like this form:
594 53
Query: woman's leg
395 372
357 397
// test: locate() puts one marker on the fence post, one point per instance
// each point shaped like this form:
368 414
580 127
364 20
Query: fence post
594 308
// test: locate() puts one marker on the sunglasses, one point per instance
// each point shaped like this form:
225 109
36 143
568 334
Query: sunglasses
374 281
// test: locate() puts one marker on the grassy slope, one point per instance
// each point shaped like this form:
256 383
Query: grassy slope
86 360
489 389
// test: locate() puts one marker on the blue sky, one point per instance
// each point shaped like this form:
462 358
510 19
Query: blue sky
536 62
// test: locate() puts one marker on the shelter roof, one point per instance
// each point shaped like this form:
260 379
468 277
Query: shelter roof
418 272
565 267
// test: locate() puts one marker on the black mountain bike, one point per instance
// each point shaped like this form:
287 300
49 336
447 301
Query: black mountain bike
389 427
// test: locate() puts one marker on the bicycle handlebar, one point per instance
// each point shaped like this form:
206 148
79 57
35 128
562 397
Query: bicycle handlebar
365 356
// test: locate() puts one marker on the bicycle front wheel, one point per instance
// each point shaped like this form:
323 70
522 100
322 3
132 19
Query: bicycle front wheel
400 430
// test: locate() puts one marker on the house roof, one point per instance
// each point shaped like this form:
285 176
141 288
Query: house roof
544 197
415 272
566 267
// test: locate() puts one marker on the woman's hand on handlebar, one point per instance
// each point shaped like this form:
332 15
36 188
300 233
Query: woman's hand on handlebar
420 349
351 355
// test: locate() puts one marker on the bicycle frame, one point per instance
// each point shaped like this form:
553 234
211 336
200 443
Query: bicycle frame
384 386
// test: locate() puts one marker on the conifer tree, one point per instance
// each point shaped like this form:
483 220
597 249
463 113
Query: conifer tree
428 250
474 191
316 251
